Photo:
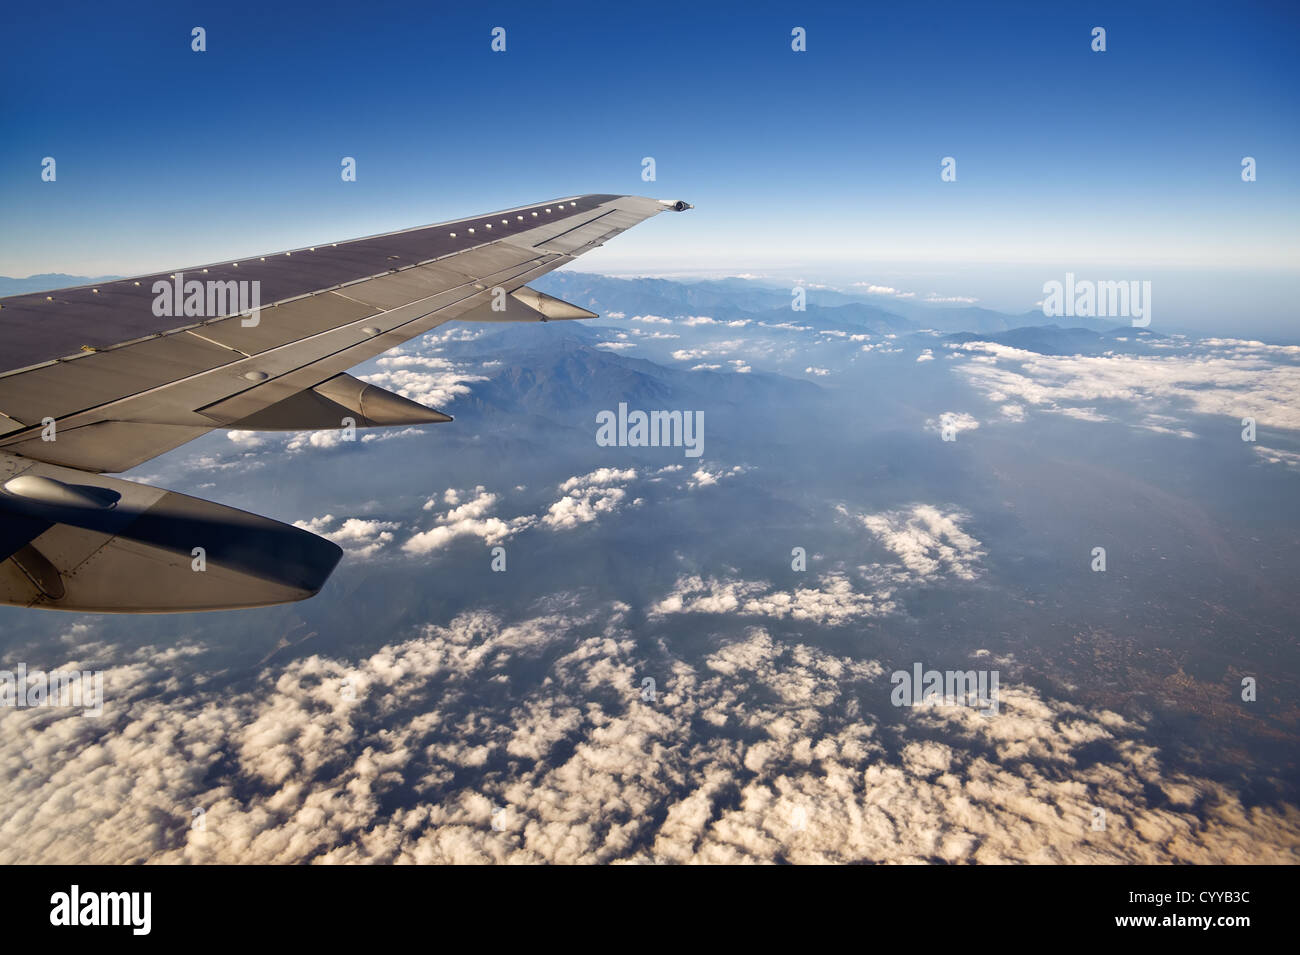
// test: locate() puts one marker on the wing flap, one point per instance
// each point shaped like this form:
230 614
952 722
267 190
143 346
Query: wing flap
330 403
73 385
526 305
286 323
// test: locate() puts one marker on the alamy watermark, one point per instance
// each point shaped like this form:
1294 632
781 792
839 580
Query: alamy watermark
653 429
922 687
129 909
210 298
1084 298
72 688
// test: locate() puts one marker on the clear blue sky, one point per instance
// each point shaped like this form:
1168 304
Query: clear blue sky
823 161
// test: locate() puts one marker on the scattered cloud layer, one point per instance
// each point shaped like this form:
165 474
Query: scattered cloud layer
1221 377
753 750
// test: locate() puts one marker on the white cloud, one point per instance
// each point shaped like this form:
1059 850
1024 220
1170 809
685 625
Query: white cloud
928 541
703 477
654 336
359 538
601 476
1290 459
831 602
1214 377
430 381
957 421
390 434
471 518
587 497
315 439
246 439
757 750
1080 414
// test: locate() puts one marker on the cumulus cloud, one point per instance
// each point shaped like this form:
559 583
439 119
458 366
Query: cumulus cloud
954 421
601 477
654 336
390 434
1224 377
832 601
928 540
359 538
465 518
757 749
703 477
587 497
712 350
302 440
428 380
246 439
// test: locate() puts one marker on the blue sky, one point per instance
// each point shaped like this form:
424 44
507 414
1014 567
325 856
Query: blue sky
822 164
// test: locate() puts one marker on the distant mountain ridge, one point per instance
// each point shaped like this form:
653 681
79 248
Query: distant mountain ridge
550 369
1055 340
732 299
46 281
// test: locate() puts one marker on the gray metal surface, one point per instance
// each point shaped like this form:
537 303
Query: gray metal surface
118 407
44 326
120 385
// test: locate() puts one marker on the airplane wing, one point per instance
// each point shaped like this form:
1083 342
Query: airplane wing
101 378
